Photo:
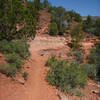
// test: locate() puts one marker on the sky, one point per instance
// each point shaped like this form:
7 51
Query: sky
84 7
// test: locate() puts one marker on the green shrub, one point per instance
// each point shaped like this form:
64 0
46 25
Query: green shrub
78 56
15 52
53 30
94 58
78 93
74 45
5 47
92 25
90 69
9 70
77 36
50 62
15 12
14 59
64 74
19 47
97 27
88 25
63 18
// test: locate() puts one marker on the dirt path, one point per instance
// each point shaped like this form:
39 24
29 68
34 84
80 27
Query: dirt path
36 87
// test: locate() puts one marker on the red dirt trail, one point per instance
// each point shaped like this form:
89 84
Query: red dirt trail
36 87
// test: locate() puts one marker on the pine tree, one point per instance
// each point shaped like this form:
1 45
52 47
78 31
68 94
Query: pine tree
37 4
88 25
45 3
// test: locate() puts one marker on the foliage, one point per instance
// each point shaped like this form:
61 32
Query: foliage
78 56
51 61
19 47
53 29
14 14
92 26
18 21
15 52
14 59
77 36
75 16
78 93
90 69
88 25
46 4
58 17
66 76
37 4
9 70
63 18
97 27
94 58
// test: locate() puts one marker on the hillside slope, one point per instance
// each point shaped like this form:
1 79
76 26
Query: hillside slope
36 87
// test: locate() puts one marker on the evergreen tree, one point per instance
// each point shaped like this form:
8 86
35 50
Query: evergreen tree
58 16
88 25
74 15
97 27
37 4
94 58
14 13
77 36
53 29
46 3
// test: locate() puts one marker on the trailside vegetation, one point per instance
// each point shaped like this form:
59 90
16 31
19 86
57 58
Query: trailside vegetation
18 19
77 36
15 52
53 29
68 77
91 25
63 18
94 59
18 22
